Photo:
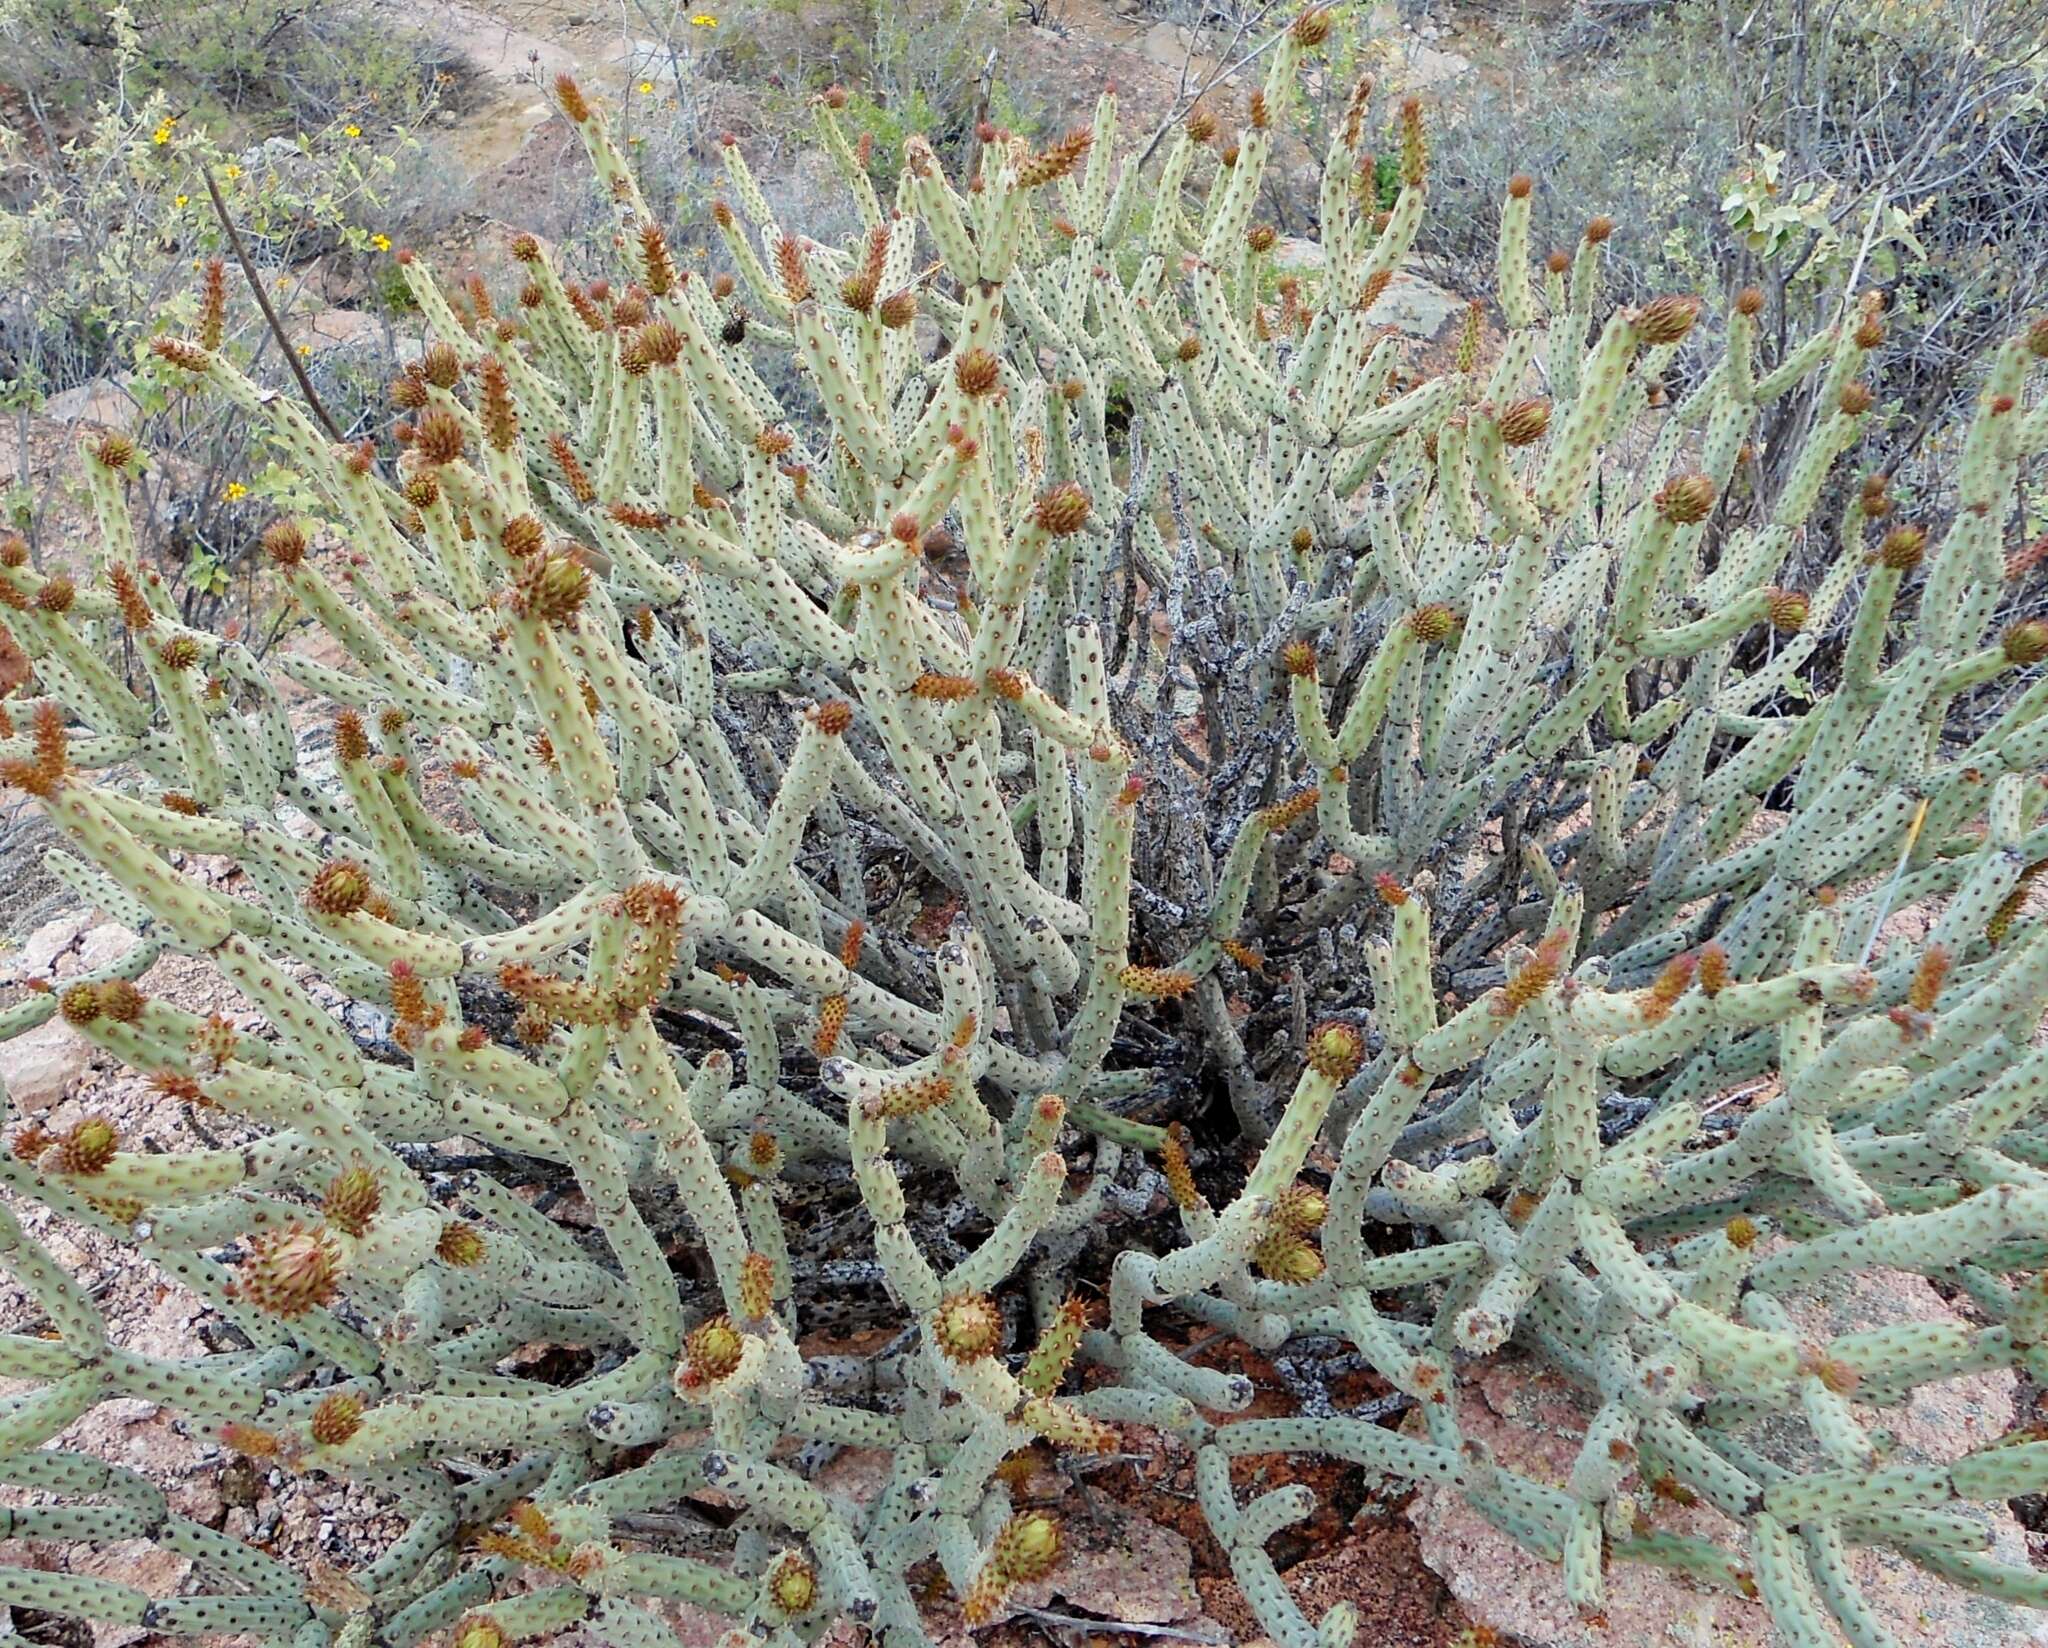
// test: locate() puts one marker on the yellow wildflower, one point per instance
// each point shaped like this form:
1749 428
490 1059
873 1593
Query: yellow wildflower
351 131
181 201
162 134
235 492
231 171
646 86
381 242
305 349
703 20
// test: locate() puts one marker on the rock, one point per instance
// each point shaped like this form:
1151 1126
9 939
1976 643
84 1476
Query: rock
857 1475
105 943
168 1326
337 329
196 1494
1415 65
1121 1565
1166 44
39 951
1426 66
37 1069
1294 255
99 401
80 941
1533 1421
1374 1566
1416 307
1116 1565
101 945
1941 1420
650 61
138 1562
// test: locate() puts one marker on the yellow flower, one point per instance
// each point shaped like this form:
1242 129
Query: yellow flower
235 492
305 349
646 86
703 20
381 242
181 201
231 171
162 134
351 131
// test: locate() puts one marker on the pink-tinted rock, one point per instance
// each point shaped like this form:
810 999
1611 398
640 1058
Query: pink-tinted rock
169 1326
1941 1420
337 329
1121 1564
693 1627
138 1562
131 1431
66 945
43 1066
856 1474
40 1067
42 947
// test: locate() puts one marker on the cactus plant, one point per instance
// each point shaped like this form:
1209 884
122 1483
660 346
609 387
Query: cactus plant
1445 688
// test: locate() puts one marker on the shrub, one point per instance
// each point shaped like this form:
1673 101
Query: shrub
1403 688
249 63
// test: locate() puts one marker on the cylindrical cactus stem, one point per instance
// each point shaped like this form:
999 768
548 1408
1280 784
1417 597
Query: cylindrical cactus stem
1374 692
1574 449
832 366
556 694
1796 365
1511 261
108 703
941 210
